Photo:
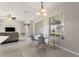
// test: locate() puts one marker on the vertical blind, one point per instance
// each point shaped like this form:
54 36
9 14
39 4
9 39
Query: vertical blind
38 27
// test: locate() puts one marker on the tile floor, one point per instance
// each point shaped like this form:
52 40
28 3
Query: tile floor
25 49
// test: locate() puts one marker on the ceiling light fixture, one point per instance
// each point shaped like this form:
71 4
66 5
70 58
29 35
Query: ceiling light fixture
11 17
42 11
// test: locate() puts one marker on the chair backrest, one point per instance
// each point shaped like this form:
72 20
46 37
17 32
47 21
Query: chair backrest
41 40
32 38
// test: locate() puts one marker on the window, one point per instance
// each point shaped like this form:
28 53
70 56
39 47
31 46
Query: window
56 25
38 27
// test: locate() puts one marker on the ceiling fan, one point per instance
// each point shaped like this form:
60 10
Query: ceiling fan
10 16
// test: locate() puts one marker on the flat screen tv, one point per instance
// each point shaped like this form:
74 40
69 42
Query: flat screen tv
9 29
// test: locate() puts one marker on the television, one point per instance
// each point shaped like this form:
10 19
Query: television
9 29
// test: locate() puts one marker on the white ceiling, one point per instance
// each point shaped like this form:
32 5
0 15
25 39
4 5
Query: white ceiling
24 10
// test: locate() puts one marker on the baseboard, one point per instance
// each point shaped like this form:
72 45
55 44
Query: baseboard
68 50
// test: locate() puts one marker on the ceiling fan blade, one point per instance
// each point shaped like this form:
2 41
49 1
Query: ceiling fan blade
9 15
13 17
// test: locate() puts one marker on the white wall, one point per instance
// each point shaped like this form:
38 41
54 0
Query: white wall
71 17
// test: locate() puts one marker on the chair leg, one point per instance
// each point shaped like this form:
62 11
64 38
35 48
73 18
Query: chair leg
41 49
31 43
